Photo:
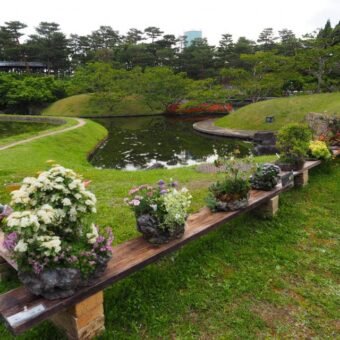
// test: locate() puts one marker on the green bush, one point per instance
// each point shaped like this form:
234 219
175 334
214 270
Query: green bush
293 142
319 150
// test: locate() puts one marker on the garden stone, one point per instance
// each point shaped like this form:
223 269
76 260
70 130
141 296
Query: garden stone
152 232
155 166
52 284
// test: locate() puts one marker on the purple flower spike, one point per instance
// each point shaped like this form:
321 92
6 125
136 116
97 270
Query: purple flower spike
161 182
164 191
174 184
5 212
10 241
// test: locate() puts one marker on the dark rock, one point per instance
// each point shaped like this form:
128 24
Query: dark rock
155 166
152 232
287 179
52 284
265 138
265 150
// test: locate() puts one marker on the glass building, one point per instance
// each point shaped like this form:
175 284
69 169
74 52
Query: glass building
191 36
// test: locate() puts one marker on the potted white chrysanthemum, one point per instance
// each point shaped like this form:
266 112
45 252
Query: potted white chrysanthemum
50 234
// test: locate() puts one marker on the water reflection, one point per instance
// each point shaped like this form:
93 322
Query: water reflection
138 143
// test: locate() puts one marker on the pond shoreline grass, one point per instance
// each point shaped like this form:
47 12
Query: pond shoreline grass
249 279
285 110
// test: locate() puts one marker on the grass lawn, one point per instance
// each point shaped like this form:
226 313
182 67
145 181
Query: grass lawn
250 279
285 110
81 105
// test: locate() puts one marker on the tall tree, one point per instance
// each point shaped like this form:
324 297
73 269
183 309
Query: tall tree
49 45
267 39
153 33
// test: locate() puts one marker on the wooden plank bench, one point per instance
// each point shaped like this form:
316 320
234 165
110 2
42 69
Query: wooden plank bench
82 315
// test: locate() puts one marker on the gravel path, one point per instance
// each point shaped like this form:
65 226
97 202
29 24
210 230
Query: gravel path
81 122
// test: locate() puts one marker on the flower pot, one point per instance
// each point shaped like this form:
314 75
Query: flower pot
232 205
153 233
59 283
296 166
287 179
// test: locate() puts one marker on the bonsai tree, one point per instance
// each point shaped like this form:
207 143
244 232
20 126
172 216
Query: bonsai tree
293 143
232 192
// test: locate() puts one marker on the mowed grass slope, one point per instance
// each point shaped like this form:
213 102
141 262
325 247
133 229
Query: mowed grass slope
249 279
284 110
81 105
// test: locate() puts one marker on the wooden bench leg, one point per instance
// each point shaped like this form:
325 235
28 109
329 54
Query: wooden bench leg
268 209
83 321
301 180
4 269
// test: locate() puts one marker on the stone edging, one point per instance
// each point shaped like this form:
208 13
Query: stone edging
32 119
208 127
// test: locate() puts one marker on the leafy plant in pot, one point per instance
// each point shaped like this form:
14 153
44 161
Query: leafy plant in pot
51 237
319 150
293 143
266 177
161 211
233 191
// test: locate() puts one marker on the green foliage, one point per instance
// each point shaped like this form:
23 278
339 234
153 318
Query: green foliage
293 141
319 150
30 91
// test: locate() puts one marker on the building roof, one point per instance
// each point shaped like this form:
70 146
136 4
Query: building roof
31 64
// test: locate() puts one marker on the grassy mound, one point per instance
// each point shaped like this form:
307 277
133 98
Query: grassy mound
285 110
81 105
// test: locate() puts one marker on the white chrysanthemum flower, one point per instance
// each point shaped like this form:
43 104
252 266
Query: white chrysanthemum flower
21 246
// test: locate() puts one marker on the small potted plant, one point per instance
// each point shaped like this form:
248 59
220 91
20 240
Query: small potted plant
293 142
161 211
319 150
50 236
266 177
233 191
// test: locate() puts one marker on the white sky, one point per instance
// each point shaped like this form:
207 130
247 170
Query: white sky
213 17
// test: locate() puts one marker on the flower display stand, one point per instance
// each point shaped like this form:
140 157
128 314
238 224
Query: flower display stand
82 315
83 321
269 209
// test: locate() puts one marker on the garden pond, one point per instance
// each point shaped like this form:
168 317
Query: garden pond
136 143
9 128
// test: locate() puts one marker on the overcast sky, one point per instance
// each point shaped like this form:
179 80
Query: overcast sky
213 17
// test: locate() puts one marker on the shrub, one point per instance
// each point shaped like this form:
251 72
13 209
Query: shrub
293 142
319 149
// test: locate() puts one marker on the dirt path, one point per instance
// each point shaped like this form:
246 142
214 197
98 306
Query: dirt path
81 122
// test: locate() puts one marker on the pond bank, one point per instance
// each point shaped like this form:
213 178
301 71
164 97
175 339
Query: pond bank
208 127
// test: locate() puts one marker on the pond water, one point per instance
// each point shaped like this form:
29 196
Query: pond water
139 142
8 129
